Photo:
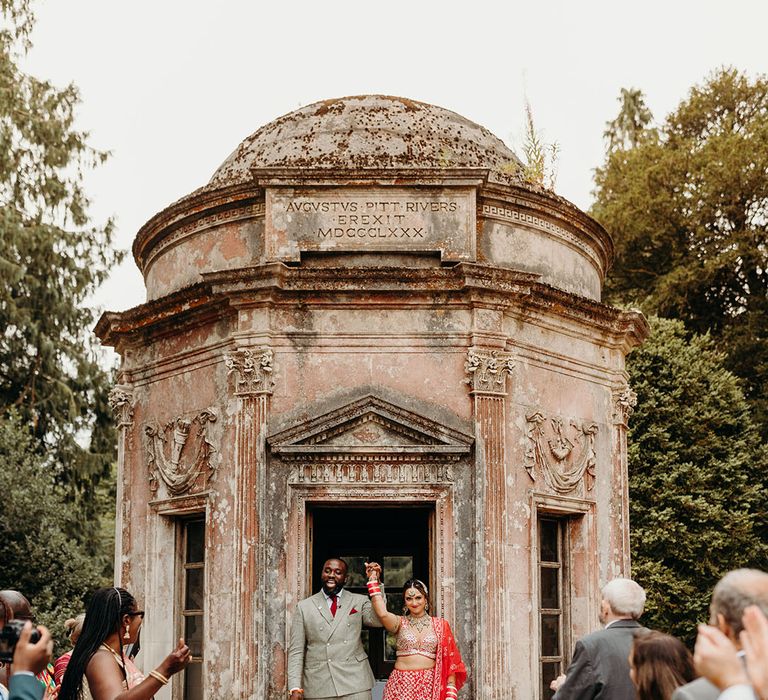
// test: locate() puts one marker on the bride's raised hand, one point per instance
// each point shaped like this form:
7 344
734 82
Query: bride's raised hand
373 571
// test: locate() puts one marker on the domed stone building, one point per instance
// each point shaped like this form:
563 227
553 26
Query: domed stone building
367 337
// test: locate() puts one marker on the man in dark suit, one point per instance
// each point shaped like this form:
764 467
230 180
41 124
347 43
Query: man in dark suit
733 593
29 660
600 666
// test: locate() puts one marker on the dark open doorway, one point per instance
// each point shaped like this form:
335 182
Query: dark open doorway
397 537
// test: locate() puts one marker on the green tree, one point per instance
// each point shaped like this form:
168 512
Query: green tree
697 500
52 257
687 204
629 126
38 553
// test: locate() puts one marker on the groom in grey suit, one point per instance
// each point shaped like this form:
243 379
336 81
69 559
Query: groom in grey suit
326 658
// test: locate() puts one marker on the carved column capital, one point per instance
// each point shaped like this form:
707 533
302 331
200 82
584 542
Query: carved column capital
251 370
624 402
488 370
121 403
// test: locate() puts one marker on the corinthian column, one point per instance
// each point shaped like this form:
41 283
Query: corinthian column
488 371
121 403
250 371
624 402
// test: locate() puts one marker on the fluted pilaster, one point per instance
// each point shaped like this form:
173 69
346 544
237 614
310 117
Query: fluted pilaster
488 372
250 371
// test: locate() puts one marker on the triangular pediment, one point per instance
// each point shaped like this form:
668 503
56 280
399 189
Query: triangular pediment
370 425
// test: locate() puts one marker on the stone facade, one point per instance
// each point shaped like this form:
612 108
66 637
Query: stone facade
367 306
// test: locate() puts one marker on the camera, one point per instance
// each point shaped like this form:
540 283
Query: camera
9 635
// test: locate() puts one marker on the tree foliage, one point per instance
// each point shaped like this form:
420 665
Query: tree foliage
52 257
687 204
629 126
39 555
696 463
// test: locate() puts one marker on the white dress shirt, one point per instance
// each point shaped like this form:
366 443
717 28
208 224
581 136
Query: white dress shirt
328 599
738 692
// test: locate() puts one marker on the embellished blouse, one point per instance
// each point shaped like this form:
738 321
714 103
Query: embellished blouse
409 644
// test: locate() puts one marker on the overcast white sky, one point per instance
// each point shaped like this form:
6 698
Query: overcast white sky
171 87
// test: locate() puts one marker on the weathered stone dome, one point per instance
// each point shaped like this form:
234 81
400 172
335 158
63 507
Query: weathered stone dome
367 131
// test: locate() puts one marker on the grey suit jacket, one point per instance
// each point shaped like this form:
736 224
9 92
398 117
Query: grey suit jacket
700 689
325 654
600 666
24 687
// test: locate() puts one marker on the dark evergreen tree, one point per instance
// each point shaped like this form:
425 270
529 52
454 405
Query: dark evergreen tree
696 484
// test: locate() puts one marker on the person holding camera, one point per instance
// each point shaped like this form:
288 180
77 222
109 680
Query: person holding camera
99 668
30 656
14 611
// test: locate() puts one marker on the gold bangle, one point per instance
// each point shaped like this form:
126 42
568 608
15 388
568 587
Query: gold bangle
159 677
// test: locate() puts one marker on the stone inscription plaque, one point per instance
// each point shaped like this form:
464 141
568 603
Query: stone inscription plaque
387 219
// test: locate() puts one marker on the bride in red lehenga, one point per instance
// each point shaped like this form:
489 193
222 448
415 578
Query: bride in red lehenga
428 666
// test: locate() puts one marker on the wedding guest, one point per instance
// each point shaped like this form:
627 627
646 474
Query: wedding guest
732 595
99 668
73 626
600 665
658 664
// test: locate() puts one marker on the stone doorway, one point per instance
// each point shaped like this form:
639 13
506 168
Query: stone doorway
398 537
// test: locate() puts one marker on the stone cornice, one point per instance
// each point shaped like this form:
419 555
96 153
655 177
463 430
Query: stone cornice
461 283
191 304
548 204
187 212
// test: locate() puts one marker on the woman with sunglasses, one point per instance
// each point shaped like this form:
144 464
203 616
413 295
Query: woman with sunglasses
99 668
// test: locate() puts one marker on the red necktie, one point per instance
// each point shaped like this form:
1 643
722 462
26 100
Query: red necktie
333 605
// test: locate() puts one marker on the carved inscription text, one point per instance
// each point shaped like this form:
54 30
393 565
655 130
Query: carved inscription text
326 219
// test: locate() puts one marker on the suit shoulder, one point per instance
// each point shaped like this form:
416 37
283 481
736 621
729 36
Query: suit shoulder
699 689
307 603
594 638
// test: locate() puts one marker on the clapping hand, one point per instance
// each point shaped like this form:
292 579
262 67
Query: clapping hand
715 658
373 571
754 640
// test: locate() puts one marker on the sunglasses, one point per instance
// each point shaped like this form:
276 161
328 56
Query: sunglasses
138 613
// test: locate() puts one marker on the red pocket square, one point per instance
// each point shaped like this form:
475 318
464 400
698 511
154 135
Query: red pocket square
353 611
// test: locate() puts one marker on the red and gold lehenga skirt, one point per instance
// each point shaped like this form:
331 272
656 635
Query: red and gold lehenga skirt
410 685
